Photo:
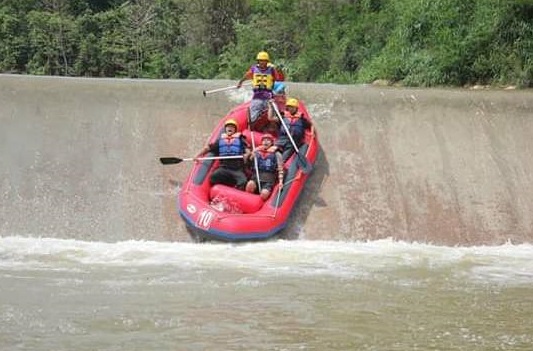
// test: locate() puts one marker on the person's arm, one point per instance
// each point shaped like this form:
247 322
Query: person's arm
251 155
279 76
282 124
206 148
247 75
248 154
272 118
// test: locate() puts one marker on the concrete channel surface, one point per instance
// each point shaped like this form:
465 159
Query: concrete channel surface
79 159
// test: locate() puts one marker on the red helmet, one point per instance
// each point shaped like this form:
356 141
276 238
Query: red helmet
267 136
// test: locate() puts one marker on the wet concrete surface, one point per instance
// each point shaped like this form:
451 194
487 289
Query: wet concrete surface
79 159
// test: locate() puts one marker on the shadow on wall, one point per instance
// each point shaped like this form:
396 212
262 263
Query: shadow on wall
309 198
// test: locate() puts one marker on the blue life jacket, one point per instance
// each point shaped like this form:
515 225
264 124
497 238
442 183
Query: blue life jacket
230 146
296 126
266 160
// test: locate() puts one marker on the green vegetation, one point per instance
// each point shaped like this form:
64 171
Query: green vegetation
411 42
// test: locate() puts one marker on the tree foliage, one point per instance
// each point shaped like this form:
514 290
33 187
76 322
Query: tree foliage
412 42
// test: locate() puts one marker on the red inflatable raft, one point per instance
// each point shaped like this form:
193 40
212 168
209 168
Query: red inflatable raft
224 213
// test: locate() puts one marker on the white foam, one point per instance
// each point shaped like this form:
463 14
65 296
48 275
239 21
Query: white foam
240 96
347 259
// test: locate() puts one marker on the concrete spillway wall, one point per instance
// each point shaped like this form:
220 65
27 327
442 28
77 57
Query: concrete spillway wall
79 159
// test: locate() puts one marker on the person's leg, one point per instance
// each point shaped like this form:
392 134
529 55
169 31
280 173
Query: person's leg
222 176
287 152
266 189
258 110
251 186
240 179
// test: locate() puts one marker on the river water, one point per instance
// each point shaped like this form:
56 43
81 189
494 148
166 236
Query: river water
66 294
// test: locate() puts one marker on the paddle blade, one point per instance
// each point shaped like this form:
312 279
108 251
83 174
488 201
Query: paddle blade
304 164
170 160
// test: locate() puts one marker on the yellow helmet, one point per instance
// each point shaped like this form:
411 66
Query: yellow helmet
292 102
231 121
263 55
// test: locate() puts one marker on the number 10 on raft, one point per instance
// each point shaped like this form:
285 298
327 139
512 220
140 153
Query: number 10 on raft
205 218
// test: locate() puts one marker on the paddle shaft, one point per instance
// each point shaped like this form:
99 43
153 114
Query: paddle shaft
277 199
256 166
175 160
207 92
218 90
213 158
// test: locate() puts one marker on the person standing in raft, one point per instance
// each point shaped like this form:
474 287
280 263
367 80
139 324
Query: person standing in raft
230 143
263 75
297 124
269 163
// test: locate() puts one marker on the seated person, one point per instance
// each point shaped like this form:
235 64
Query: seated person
230 143
297 124
269 164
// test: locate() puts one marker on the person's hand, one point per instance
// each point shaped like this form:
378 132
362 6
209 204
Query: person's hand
195 158
201 153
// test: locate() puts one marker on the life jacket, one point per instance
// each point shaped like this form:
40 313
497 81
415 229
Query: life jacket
230 145
266 159
295 124
263 79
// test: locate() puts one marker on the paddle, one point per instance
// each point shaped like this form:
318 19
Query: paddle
305 165
176 160
256 166
207 92
280 186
